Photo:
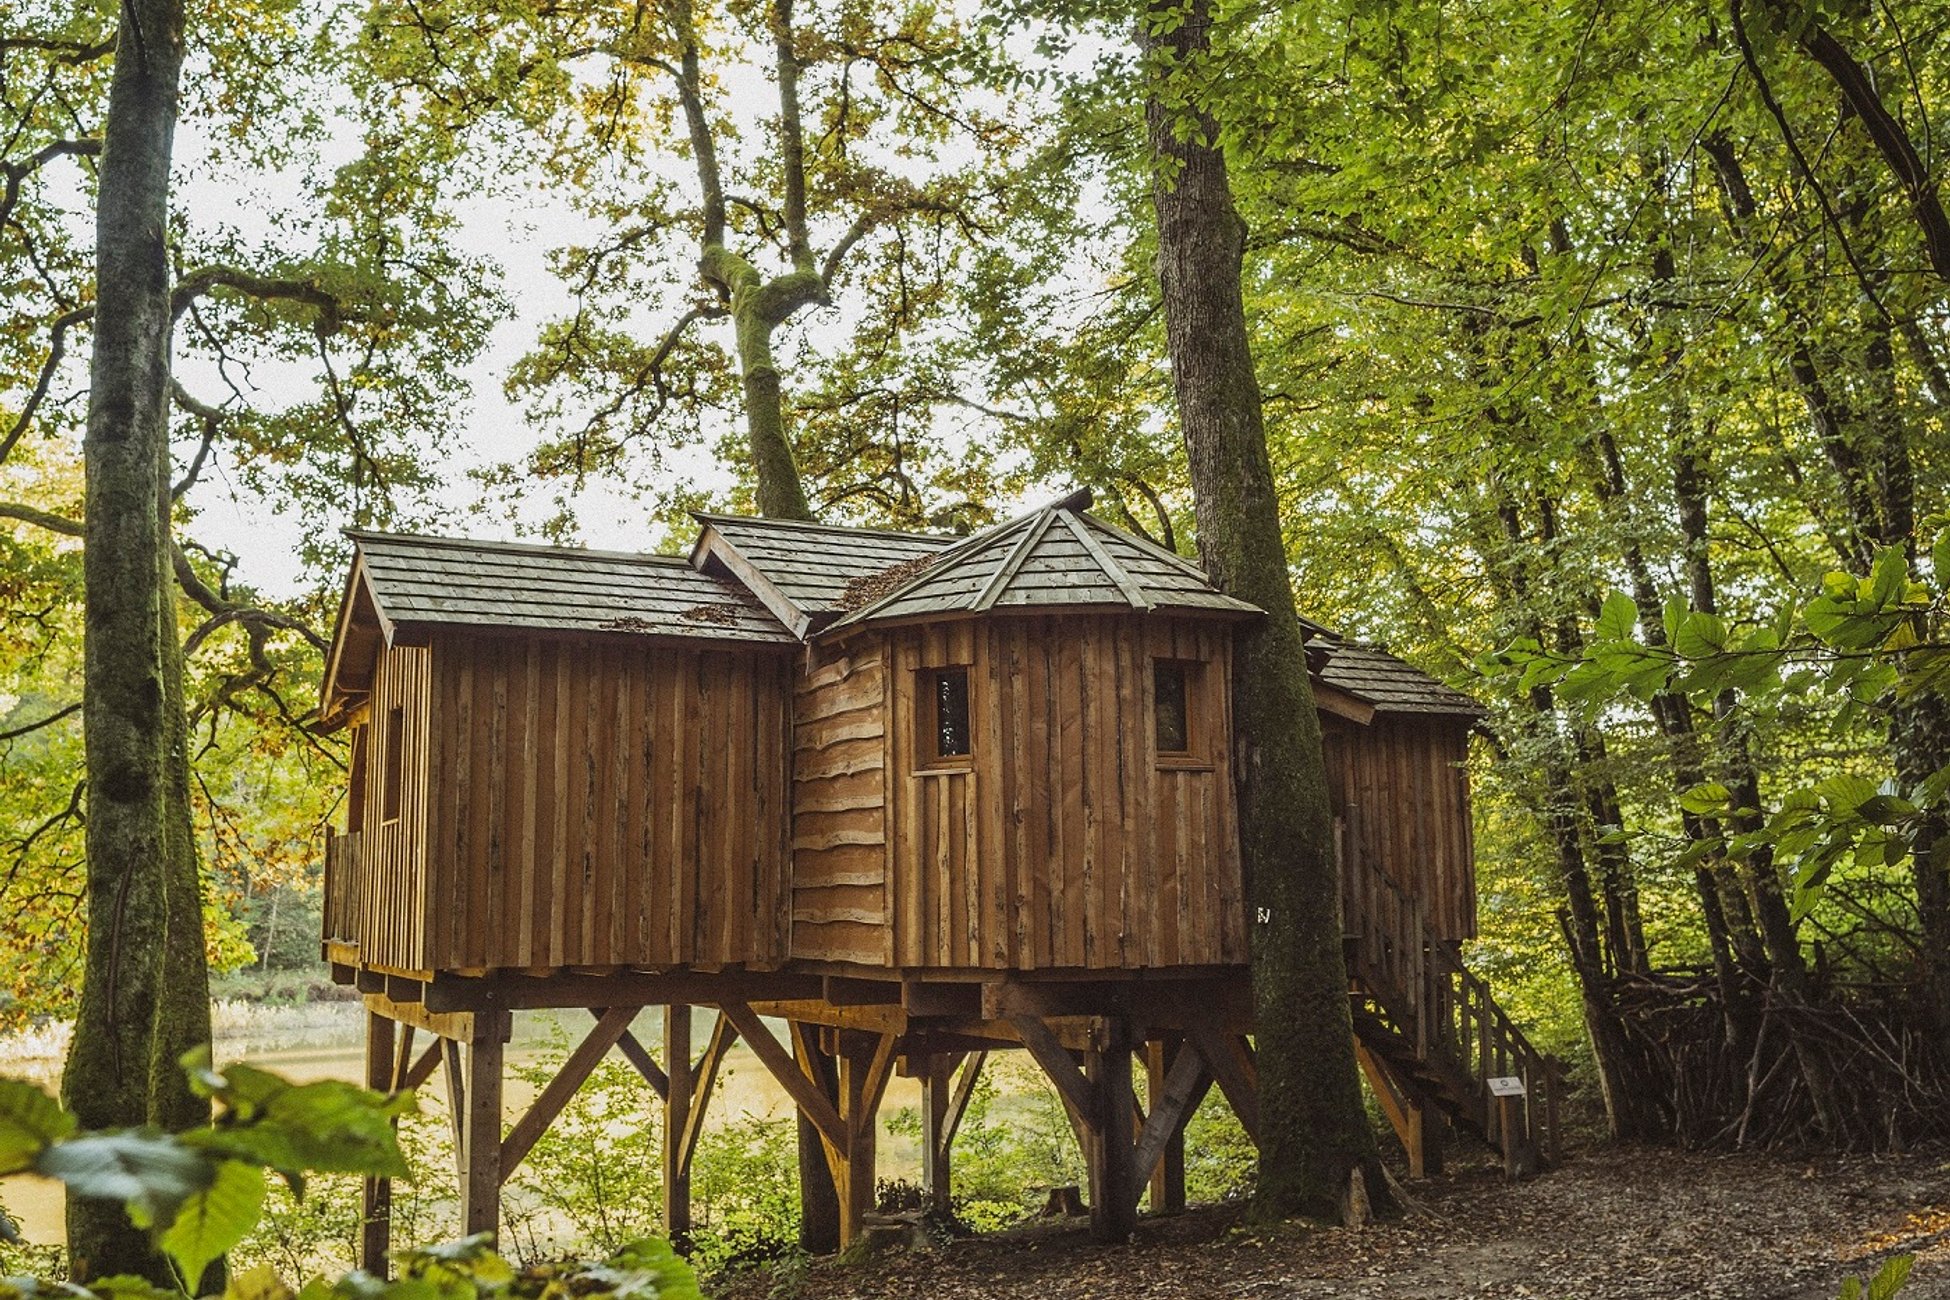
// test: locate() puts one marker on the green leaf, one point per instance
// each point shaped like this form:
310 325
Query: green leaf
1844 793
1618 618
1940 558
1891 1277
1707 797
215 1219
1701 636
1888 577
30 1122
149 1172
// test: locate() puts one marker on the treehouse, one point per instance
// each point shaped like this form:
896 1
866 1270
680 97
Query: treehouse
914 797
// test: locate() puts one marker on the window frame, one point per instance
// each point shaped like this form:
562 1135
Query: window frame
392 796
1191 676
927 719
357 775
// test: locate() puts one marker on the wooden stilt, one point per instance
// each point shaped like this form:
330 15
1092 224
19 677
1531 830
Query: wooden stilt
944 1101
1176 1086
819 1202
866 1063
677 1116
454 1056
480 1181
1112 1155
376 1219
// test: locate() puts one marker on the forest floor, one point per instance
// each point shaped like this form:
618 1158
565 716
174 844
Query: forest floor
1608 1225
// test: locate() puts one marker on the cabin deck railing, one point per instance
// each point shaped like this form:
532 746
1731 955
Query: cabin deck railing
1439 1009
343 888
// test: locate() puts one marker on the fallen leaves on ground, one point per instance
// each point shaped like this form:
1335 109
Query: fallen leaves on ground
1610 1225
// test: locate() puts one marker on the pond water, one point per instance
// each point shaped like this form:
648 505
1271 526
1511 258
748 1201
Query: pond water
323 1040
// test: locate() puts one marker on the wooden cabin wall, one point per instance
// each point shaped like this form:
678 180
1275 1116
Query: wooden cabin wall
607 803
1064 840
839 812
391 852
1402 792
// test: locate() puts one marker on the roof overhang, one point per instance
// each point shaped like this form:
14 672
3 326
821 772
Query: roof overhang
359 635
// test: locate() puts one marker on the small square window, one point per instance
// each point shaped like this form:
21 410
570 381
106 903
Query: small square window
944 714
1170 706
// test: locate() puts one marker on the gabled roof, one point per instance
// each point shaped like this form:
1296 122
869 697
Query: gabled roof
805 573
1386 683
1057 557
439 580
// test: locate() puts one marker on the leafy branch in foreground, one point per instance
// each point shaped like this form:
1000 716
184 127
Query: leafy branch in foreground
200 1192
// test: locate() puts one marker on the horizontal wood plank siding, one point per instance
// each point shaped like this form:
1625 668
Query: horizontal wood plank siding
839 807
606 804
1064 841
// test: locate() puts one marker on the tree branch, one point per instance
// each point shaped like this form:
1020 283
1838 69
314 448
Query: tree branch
57 348
207 279
48 721
1890 139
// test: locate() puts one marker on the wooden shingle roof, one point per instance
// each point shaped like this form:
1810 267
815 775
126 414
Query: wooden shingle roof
439 580
1389 684
1058 557
807 574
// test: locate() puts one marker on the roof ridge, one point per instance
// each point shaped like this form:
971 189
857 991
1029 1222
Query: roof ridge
713 516
527 548
972 545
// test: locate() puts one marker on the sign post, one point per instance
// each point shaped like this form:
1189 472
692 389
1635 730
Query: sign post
1509 1093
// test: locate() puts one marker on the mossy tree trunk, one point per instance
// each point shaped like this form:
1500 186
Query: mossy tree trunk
107 1079
1314 1139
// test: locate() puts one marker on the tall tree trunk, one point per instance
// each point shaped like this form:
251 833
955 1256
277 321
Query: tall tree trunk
126 728
1314 1136
183 1004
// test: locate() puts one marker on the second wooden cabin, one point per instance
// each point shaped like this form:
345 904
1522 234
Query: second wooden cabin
834 749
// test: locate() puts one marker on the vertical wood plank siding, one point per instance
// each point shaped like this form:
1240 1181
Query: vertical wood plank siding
1404 777
1063 840
391 854
603 803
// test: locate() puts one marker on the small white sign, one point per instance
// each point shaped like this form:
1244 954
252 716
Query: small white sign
1508 1085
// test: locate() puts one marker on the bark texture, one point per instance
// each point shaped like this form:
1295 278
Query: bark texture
1314 1137
106 1082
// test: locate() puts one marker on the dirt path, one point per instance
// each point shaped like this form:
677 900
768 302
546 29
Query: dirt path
1659 1225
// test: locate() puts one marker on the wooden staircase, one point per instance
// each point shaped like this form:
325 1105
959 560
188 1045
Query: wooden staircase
1430 1034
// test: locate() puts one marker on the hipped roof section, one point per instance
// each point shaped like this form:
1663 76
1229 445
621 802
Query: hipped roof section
1058 557
1384 682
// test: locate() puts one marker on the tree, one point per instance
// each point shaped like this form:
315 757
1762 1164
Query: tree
1317 1152
128 685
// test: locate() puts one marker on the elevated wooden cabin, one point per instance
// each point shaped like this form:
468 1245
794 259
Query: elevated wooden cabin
985 776
561 759
917 796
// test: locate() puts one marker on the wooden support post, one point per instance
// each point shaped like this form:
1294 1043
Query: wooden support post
376 1217
866 1063
1509 1128
480 1179
1113 1152
819 1199
1167 1179
454 1057
677 1115
937 1086
1231 1064
1175 1092
944 1101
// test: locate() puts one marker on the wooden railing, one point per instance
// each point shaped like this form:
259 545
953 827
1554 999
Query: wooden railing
344 893
1440 1010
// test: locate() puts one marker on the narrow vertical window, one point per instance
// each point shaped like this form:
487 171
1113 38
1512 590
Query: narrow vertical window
355 795
944 714
1168 707
395 773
